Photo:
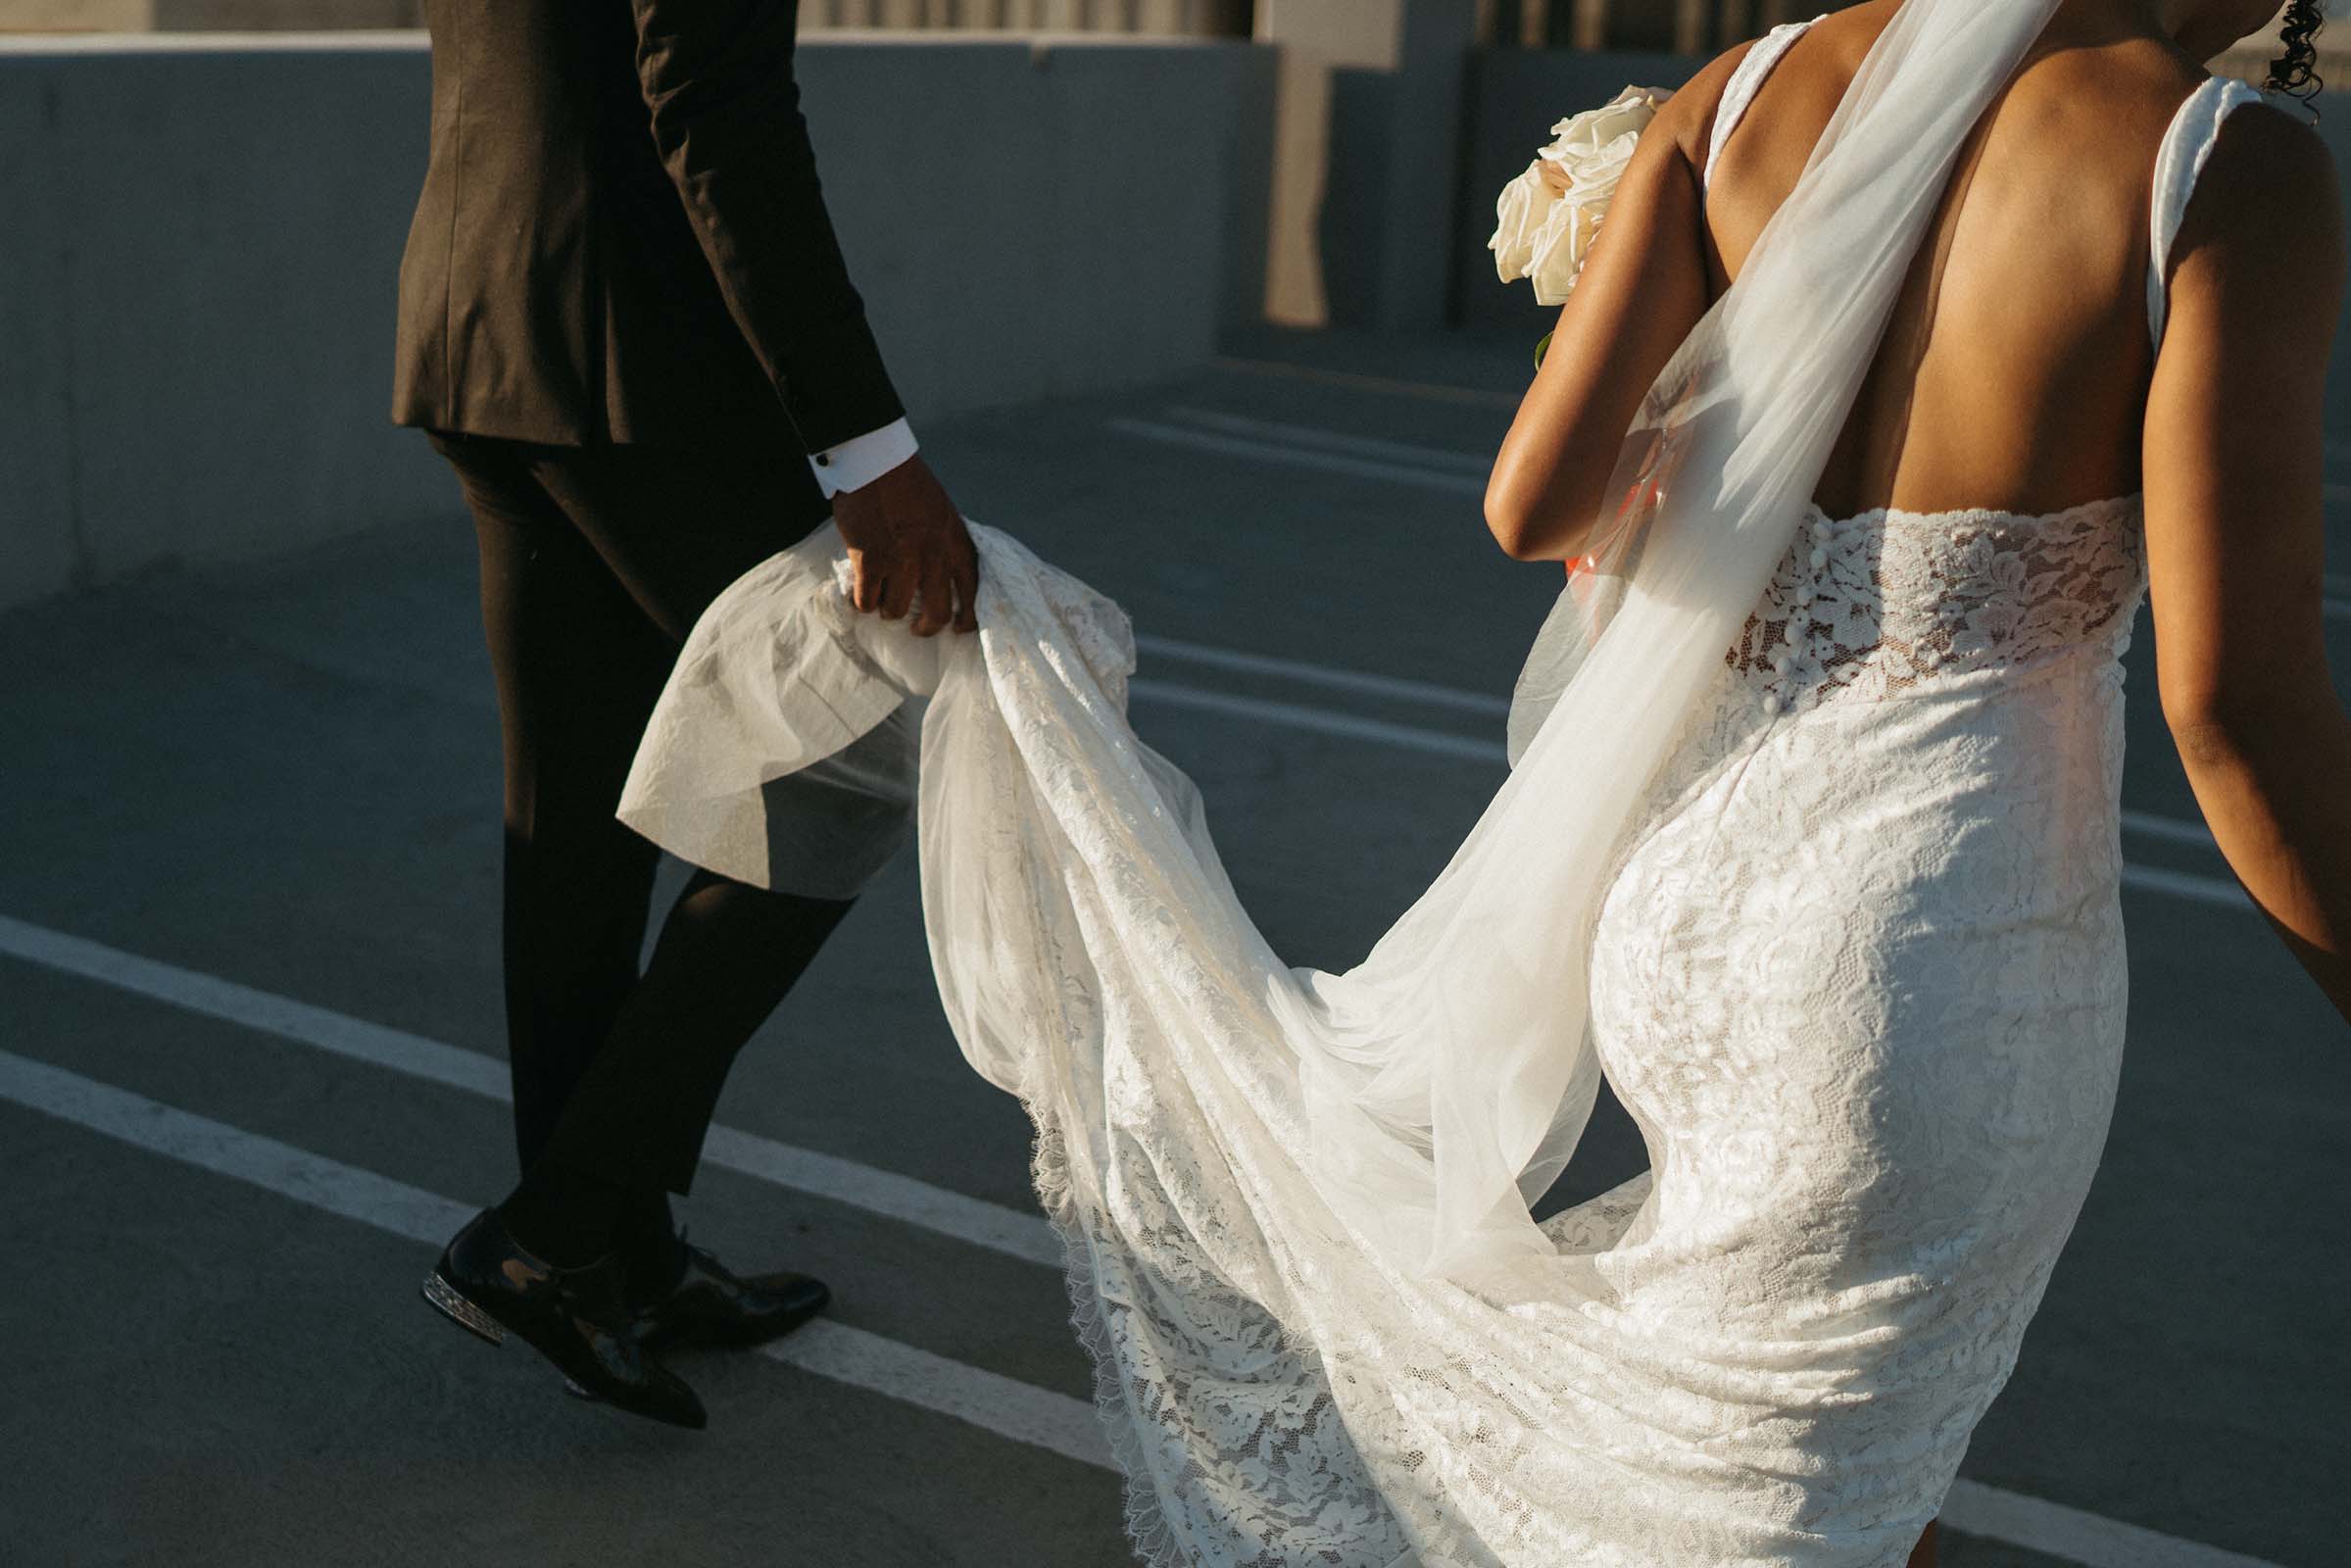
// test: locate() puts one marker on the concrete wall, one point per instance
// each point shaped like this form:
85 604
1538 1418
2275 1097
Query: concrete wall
1184 17
205 16
1366 150
202 235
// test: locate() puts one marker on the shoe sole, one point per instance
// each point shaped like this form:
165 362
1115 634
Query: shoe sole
460 1311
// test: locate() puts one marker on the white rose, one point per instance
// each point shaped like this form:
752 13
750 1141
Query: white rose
1559 249
1544 234
1629 110
1566 240
1519 213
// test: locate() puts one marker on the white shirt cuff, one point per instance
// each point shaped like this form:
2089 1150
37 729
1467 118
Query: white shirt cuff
860 460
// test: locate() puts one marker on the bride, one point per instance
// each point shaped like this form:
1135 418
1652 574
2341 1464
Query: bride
1905 365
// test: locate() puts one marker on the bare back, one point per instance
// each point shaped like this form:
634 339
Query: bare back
2018 375
2015 368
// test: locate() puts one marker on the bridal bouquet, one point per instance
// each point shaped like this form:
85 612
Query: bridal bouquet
1548 214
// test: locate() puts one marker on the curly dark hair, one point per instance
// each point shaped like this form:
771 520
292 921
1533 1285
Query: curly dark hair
2295 71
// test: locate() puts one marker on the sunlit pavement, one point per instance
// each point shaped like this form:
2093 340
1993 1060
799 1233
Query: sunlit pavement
249 1016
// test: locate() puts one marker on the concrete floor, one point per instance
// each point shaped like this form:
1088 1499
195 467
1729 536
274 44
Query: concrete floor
285 777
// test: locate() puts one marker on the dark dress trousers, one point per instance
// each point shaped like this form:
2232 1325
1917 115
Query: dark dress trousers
626 323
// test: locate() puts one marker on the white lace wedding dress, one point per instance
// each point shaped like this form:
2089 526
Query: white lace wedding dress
1858 975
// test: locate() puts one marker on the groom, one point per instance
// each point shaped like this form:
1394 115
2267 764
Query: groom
625 322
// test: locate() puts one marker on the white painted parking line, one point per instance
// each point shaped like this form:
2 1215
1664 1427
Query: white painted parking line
1228 446
2218 892
2148 824
1443 468
1429 692
1320 721
1394 386
225 1150
842 1181
1362 446
2072 1536
988 1400
2173 829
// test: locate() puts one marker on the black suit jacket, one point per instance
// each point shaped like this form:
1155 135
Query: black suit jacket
621 236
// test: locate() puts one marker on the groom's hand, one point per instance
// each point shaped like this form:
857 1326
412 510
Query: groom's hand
905 539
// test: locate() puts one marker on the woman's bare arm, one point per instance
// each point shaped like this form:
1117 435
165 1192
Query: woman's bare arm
1643 287
2232 471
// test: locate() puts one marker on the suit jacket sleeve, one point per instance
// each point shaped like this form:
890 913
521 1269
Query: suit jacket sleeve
717 77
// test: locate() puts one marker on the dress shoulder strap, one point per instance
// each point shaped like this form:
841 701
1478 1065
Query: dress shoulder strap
2187 143
1739 91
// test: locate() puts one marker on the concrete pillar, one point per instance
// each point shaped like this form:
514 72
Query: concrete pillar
1420 48
1589 24
1690 26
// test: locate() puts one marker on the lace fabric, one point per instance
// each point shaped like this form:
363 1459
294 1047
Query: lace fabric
1815 855
1878 604
1858 975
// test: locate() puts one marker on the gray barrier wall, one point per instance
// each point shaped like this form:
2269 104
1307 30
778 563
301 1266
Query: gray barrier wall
199 239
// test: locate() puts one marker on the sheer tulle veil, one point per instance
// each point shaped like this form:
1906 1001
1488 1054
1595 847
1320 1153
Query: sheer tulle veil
1459 1041
1084 938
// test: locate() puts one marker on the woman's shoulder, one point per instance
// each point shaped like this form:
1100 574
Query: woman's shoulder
2248 156
2266 179
2267 144
1843 39
1688 117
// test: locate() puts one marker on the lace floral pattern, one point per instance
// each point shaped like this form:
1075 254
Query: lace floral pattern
1773 1348
1871 605
1858 976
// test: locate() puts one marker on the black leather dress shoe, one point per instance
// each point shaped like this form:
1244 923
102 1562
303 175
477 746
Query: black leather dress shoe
713 1307
576 1317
